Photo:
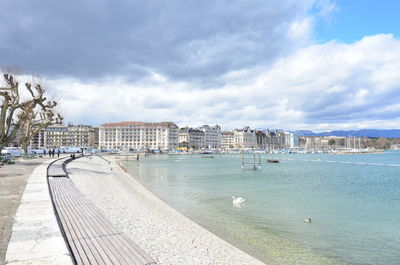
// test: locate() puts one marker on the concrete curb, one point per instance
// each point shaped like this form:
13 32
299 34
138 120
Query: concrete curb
36 237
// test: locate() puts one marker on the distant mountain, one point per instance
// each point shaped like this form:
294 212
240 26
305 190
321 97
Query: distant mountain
395 133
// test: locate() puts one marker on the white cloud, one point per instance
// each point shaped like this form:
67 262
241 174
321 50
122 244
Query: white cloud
322 86
233 63
182 40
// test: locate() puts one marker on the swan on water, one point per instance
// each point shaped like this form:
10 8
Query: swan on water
307 220
237 200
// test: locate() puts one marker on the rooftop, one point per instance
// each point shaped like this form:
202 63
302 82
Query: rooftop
139 123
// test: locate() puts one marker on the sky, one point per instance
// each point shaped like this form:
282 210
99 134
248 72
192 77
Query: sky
290 64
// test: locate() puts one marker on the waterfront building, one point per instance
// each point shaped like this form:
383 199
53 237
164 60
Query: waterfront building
245 138
291 140
261 139
212 136
191 138
227 140
59 135
139 136
274 140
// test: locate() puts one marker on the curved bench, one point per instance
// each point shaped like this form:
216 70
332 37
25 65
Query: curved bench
91 237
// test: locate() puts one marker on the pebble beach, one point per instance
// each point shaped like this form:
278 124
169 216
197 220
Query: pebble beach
160 230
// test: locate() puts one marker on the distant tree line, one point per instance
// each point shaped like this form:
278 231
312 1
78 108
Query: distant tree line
24 113
381 142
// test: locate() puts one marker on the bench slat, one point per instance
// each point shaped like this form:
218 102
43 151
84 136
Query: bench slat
92 238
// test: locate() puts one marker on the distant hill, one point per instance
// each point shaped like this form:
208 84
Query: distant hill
395 133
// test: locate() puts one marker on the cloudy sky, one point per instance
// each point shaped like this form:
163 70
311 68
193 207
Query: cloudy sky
291 64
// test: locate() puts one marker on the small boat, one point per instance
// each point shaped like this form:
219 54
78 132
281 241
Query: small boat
273 161
207 156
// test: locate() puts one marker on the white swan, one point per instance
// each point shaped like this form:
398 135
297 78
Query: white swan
237 200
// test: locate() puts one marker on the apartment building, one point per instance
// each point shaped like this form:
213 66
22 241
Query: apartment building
56 136
131 135
191 138
227 140
245 138
212 136
291 140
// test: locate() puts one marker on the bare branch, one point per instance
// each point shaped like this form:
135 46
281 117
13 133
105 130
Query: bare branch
30 116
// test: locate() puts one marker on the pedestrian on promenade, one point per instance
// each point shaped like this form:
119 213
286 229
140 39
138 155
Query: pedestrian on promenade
58 152
44 152
53 152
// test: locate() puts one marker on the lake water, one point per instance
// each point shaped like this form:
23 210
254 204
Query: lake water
353 201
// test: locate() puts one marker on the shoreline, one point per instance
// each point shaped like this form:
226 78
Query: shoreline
162 231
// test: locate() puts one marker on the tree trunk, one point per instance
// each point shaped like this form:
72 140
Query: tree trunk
25 144
1 147
25 148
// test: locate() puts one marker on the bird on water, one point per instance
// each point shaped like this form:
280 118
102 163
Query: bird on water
237 200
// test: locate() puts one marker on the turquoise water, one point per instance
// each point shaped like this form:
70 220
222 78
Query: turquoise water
353 200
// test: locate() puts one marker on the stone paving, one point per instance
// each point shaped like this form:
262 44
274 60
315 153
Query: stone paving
13 179
36 237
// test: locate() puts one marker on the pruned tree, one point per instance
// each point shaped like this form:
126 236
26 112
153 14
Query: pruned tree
15 112
37 120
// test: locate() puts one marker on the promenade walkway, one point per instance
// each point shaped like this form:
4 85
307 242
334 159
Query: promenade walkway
56 224
13 180
36 236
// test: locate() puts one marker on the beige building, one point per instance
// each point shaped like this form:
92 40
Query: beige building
56 136
245 138
138 136
227 140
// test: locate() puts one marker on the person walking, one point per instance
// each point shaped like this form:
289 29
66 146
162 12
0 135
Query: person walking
58 152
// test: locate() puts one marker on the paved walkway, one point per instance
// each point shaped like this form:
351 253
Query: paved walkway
36 237
13 179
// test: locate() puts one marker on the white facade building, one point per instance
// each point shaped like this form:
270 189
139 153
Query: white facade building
212 136
289 140
139 136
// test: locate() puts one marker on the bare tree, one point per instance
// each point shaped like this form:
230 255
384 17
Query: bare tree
36 121
16 112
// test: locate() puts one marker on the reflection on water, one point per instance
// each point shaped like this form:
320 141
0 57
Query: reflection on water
353 201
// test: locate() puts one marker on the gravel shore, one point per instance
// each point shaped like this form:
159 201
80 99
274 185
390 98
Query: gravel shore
163 232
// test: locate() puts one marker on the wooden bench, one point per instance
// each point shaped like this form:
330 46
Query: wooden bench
91 237
56 168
